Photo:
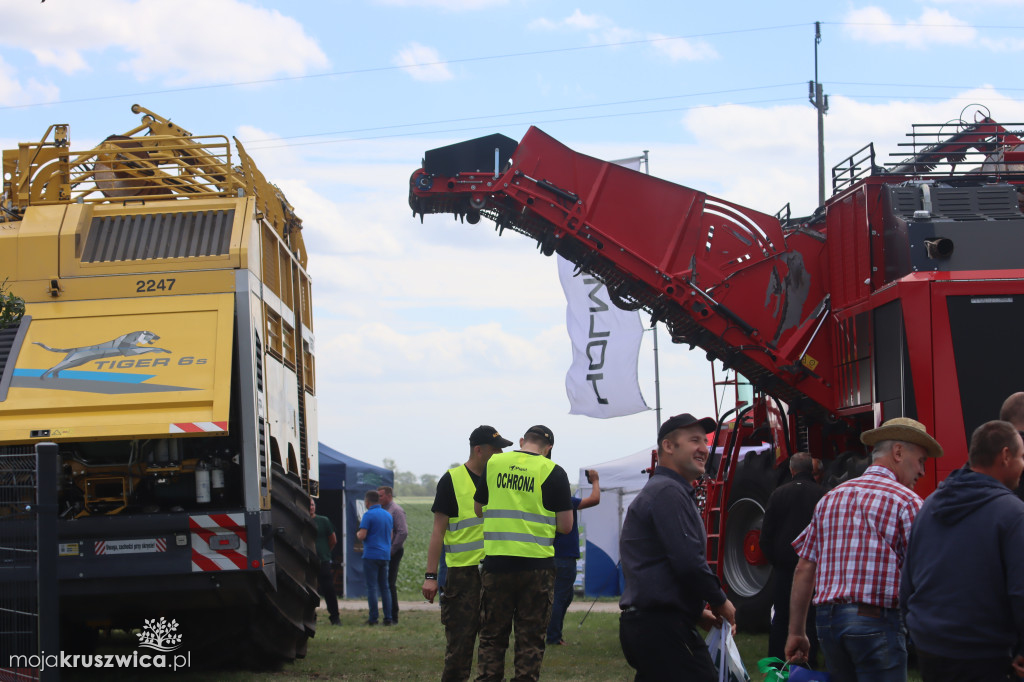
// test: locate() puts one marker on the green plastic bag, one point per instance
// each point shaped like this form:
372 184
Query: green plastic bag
774 669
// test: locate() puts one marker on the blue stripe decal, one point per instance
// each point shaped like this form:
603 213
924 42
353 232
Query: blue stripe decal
118 377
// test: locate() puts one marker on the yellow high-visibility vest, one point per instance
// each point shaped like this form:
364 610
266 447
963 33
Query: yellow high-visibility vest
464 537
515 520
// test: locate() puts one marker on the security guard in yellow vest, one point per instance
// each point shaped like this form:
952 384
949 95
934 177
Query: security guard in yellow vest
523 498
459 532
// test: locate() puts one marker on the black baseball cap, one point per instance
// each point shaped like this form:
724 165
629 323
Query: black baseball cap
488 435
542 431
681 421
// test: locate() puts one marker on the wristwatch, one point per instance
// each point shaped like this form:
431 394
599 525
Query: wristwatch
430 576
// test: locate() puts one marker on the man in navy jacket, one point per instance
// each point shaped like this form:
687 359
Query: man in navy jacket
962 585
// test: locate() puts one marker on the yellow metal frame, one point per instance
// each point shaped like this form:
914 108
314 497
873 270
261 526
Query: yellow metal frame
167 162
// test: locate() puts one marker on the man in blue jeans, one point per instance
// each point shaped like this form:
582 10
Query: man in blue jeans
850 557
567 553
375 532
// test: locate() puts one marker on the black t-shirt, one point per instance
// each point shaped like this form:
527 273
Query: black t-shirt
445 501
556 496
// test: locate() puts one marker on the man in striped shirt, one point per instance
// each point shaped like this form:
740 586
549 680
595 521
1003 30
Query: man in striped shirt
850 559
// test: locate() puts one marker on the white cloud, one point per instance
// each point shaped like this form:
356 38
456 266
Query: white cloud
64 60
681 49
981 3
934 27
765 157
230 43
603 30
450 5
1003 44
14 92
422 63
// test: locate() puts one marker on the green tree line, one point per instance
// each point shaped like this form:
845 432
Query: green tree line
408 484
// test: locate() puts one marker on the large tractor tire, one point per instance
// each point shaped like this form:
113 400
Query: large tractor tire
747 574
289 618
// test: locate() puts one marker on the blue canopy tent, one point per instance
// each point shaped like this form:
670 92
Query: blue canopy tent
344 481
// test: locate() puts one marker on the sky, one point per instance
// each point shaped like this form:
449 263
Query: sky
425 331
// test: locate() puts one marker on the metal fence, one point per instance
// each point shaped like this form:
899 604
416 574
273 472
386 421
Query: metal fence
29 624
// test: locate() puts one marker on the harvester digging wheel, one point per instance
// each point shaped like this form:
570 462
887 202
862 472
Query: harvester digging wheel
747 574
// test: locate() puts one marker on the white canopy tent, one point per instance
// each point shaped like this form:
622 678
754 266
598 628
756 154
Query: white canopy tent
621 481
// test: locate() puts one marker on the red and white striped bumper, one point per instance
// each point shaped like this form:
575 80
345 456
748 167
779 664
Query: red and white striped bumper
198 427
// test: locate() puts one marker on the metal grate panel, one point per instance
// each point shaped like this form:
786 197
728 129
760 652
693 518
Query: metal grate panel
11 340
183 234
19 609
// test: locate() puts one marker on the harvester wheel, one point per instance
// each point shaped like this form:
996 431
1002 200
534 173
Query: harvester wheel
747 574
290 611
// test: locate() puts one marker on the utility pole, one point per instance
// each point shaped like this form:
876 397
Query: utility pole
820 102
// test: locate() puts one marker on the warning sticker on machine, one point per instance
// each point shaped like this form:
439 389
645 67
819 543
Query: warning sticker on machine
140 546
67 549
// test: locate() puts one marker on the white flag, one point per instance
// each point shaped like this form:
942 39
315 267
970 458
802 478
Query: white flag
602 381
633 162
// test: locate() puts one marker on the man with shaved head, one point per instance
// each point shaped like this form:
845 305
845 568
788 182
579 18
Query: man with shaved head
963 564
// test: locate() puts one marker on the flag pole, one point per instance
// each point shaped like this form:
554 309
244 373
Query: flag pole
654 329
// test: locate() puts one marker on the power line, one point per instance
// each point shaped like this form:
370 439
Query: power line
378 69
465 60
256 145
536 111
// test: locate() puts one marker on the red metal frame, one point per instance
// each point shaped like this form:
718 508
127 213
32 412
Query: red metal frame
792 310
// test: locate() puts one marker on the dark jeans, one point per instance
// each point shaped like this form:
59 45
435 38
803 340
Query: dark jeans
663 647
780 621
943 669
327 591
396 560
862 644
565 577
376 572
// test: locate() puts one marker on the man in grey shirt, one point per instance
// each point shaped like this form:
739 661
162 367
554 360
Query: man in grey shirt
663 548
387 502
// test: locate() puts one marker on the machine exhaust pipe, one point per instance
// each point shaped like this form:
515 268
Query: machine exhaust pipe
939 248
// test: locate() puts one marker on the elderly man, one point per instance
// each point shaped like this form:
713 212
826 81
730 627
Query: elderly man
965 557
663 549
850 559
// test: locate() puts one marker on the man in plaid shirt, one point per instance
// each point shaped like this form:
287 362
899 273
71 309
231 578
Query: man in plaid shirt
850 559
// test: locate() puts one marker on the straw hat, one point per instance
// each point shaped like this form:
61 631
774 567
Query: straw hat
906 430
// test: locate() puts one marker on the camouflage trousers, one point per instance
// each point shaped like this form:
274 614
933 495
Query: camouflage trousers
460 615
522 598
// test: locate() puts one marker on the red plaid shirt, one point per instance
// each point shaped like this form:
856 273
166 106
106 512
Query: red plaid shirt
858 539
